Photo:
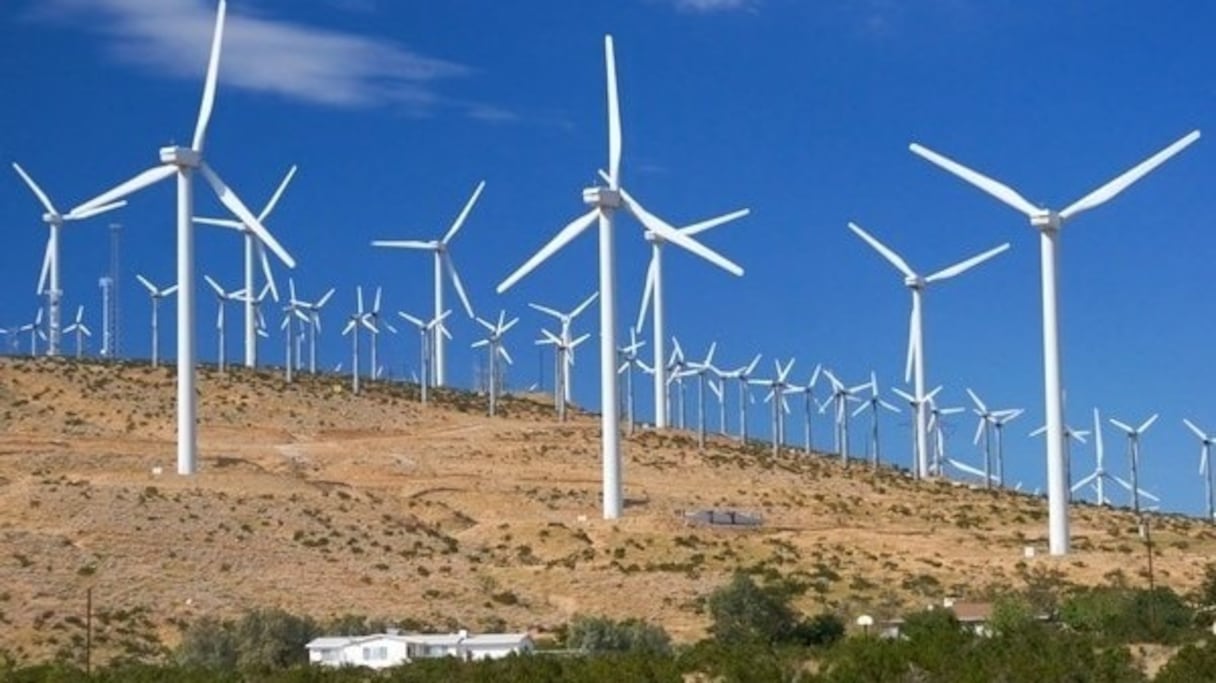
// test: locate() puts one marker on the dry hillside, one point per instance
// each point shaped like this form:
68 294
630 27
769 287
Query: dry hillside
324 503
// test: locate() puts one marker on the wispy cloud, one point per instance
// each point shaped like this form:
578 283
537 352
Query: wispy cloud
708 6
311 64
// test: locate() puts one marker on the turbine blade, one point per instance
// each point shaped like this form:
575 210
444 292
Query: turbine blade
268 273
96 211
404 244
996 189
964 266
614 116
886 252
976 399
464 298
702 226
219 291
1198 432
274 198
46 201
139 182
1125 427
502 351
911 355
647 292
324 299
47 256
221 222
147 285
464 213
1114 187
583 306
568 233
1147 423
411 319
238 208
213 68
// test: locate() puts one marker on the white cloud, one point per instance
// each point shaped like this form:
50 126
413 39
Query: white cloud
296 61
707 6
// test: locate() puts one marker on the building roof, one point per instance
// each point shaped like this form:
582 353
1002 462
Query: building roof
487 639
328 642
435 639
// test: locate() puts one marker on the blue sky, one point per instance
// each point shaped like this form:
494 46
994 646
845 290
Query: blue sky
802 111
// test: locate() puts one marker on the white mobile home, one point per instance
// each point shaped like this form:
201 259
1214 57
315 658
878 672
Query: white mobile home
381 650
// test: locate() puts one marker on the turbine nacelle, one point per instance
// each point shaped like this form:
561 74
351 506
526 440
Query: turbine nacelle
1046 220
183 157
602 197
915 282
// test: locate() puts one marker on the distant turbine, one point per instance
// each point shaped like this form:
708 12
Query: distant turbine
221 298
312 310
874 403
808 393
916 341
493 344
1133 454
743 375
701 369
157 294
354 322
80 330
631 359
1205 465
1049 223
1099 476
182 162
563 350
776 393
443 260
35 330
842 395
426 333
566 347
50 261
605 201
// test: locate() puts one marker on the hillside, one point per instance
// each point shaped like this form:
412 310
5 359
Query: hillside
323 503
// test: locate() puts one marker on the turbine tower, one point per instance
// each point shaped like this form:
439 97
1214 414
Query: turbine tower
604 202
1048 223
1205 465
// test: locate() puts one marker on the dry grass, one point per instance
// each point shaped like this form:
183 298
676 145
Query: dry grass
321 502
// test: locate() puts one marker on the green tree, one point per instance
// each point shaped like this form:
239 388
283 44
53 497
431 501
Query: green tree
208 643
601 634
823 629
1195 662
743 611
270 639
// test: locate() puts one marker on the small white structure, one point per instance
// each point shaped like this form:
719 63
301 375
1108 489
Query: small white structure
382 650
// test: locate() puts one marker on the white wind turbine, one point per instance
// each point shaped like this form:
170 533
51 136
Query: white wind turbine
1205 465
808 393
1070 435
157 294
652 294
914 404
701 370
873 403
182 162
630 360
565 350
35 330
1000 418
743 375
984 428
443 260
1048 223
936 425
493 344
373 325
1133 455
290 312
916 351
80 330
312 315
841 395
776 394
604 202
1099 477
677 367
426 356
221 299
354 322
719 390
254 250
50 260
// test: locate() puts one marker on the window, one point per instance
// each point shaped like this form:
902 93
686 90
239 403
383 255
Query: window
371 654
329 655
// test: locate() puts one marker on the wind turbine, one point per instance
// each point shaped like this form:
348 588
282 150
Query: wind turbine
936 426
182 162
493 343
631 359
808 393
700 370
1099 476
443 259
983 428
653 293
254 250
719 390
222 297
1048 223
566 347
841 395
1133 454
1001 418
563 350
426 356
290 312
157 294
914 405
1205 465
373 326
916 352
80 330
604 202
776 393
1070 435
50 261
35 330
312 310
874 403
744 375
354 322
